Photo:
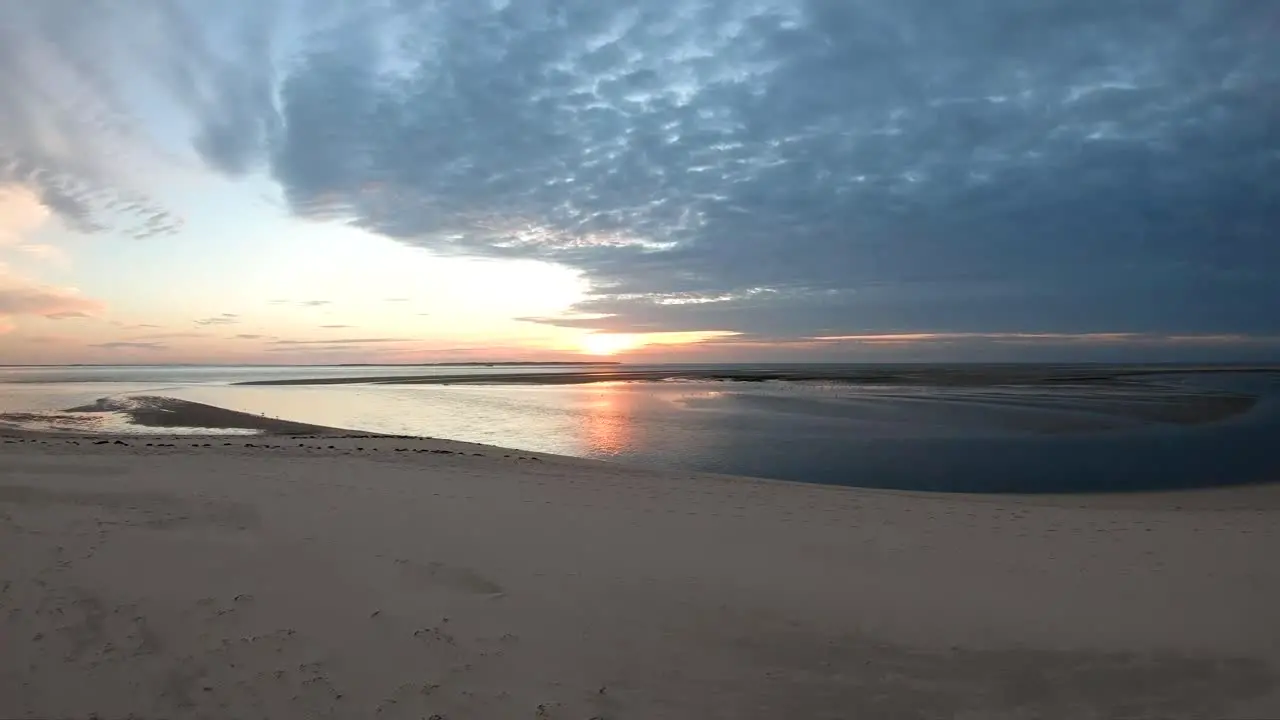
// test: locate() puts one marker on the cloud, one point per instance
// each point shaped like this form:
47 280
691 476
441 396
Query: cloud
236 108
320 348
126 345
21 212
136 326
303 303
20 296
790 167
341 341
170 335
223 319
336 327
987 347
1115 338
67 132
250 336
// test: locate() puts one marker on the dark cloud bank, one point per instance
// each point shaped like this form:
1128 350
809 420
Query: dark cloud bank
820 167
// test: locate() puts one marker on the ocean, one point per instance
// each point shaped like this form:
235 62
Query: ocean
960 428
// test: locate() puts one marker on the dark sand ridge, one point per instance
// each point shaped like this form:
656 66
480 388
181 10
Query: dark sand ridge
162 412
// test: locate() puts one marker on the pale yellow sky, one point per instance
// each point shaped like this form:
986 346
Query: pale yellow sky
284 290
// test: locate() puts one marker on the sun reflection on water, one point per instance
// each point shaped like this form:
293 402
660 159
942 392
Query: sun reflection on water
606 426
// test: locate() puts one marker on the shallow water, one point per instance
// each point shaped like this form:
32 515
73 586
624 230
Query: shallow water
1173 431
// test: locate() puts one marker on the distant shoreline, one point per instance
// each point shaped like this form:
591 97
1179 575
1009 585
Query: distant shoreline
948 375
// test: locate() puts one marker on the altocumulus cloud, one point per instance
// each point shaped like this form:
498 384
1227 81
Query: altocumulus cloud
66 132
821 167
780 168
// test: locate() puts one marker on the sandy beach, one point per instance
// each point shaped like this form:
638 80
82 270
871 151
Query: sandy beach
338 576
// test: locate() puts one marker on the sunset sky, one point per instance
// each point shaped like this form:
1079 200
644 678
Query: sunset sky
281 181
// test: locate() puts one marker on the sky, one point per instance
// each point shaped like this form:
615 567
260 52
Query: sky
324 181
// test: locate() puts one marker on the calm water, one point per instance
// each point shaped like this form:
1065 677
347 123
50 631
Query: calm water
1072 437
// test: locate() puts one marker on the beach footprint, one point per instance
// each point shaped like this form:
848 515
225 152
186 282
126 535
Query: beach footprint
437 574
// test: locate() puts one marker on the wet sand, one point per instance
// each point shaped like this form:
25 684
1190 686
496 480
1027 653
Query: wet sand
151 411
354 576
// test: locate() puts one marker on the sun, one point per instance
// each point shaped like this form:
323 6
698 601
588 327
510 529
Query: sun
608 343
